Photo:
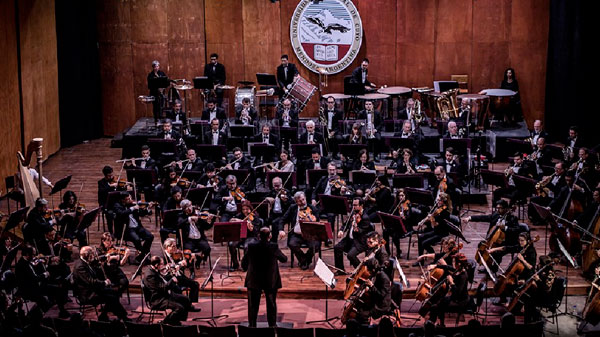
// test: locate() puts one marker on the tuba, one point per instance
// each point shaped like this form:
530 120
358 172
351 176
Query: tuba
447 105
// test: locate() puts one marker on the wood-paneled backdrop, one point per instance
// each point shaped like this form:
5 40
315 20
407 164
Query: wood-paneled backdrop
39 75
409 43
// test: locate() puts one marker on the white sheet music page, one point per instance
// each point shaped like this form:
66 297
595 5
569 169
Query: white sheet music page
325 274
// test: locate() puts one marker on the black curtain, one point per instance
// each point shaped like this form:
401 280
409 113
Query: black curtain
79 94
571 98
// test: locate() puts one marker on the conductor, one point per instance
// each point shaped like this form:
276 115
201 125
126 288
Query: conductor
263 275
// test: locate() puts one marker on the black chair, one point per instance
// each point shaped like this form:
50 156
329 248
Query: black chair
219 331
244 331
153 311
554 300
143 330
180 331
285 332
83 306
303 246
108 329
322 332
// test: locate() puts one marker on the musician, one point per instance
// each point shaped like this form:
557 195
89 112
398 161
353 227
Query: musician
212 111
590 214
280 200
311 136
584 167
446 256
401 208
407 163
155 92
443 183
170 247
549 187
574 140
452 131
457 281
373 125
286 72
128 222
215 136
451 163
286 115
542 293
292 217
253 224
239 161
464 111
437 227
112 259
245 114
168 132
537 132
228 197
38 227
69 221
161 285
521 168
363 163
192 228
174 200
380 294
542 156
261 263
510 83
105 185
144 162
326 184
333 116
284 164
407 131
360 74
316 161
407 113
353 236
215 72
176 114
91 289
572 191
378 198
163 190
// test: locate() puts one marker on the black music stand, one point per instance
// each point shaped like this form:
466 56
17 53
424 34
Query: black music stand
519 145
336 205
461 146
548 219
304 151
351 150
358 177
199 195
143 177
212 319
198 127
419 196
313 176
61 185
415 180
262 150
214 153
397 224
166 147
264 79
496 179
203 83
524 184
290 183
242 131
395 143
287 132
315 231
227 232
88 219
15 219
456 231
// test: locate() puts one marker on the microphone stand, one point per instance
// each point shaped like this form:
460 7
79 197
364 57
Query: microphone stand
212 319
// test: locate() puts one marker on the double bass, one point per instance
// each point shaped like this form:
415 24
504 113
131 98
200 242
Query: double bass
591 311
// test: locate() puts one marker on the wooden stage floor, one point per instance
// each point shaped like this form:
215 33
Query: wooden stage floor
85 162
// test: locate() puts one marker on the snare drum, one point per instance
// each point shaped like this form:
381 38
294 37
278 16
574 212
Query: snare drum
246 92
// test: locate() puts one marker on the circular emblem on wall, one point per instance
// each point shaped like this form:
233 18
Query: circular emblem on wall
326 34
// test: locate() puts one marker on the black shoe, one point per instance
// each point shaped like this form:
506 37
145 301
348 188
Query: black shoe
194 309
305 265
103 318
64 314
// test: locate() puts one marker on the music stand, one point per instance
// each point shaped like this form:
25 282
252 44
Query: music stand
461 146
395 143
519 145
351 150
198 195
494 178
524 184
264 79
166 147
15 219
197 127
313 177
287 132
212 320
203 83
143 177
291 182
336 205
87 219
261 150
328 278
304 151
419 196
61 184
547 217
397 224
415 180
227 232
358 177
242 131
214 153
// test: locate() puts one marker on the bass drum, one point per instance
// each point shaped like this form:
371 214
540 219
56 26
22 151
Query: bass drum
241 93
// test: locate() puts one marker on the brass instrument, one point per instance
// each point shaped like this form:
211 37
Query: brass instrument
418 115
509 171
567 153
245 117
447 105
541 188
534 156
409 169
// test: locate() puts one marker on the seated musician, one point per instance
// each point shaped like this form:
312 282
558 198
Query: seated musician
112 259
331 184
176 114
174 200
176 258
379 301
584 167
316 161
355 136
541 156
464 111
192 226
373 126
542 293
128 222
239 161
33 281
215 136
332 117
191 163
212 111
253 224
228 197
70 218
311 136
458 299
445 257
407 113
298 212
266 137
574 140
280 200
91 289
590 215
160 285
526 257
433 228
537 132
353 235
284 164
168 132
452 132
520 168
407 131
286 115
144 162
378 199
547 189
360 74
451 163
401 208
364 163
245 114
39 224
105 185
406 164
162 191
444 183
571 192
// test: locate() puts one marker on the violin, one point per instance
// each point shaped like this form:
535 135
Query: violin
337 183
283 195
117 251
443 186
434 212
238 194
306 215
121 183
179 255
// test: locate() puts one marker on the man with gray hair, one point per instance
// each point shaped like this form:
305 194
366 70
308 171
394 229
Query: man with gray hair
297 213
311 136
192 228
156 92
228 197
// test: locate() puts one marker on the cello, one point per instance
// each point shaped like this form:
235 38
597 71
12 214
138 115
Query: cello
495 239
519 293
591 311
512 272
360 273
589 256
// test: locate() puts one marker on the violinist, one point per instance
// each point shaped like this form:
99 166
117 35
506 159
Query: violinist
176 259
162 191
92 288
526 257
451 163
298 212
210 178
253 224
105 185
113 257
193 224
446 256
71 216
547 189
161 285
229 197
280 199
328 185
403 209
406 163
378 301
434 227
444 184
38 226
457 281
353 235
378 199
174 200
128 221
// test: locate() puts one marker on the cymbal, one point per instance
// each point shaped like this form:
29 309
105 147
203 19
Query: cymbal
146 99
225 87
245 82
184 87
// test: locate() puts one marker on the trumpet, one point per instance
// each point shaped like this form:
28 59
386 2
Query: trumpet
509 171
541 188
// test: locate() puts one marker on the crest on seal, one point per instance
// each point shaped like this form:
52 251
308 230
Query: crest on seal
326 35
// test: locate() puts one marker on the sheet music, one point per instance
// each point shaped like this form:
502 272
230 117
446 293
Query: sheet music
567 255
325 274
402 276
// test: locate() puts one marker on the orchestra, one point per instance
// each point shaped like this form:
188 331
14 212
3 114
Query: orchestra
277 192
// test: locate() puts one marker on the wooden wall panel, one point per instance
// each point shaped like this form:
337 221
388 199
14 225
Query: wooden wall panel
148 21
39 71
262 36
10 119
453 35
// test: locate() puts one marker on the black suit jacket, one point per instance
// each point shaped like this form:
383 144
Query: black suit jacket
261 264
157 287
174 135
150 164
291 215
512 225
357 76
251 112
86 280
282 80
364 227
377 120
338 116
309 164
197 165
103 190
37 225
221 116
208 138
122 216
217 76
160 73
28 281
317 138
273 139
184 225
293 116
